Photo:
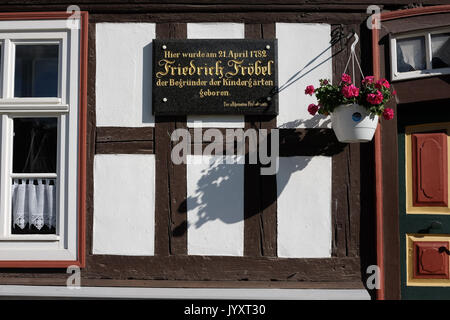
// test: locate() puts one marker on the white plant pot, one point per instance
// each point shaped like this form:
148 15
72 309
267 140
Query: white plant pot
353 123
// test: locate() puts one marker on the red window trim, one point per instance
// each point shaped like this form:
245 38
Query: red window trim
82 147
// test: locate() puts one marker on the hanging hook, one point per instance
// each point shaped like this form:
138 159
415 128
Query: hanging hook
352 48
353 58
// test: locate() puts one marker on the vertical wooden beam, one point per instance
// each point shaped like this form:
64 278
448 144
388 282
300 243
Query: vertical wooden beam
378 175
387 167
346 201
269 192
90 138
260 192
253 31
346 206
252 179
170 206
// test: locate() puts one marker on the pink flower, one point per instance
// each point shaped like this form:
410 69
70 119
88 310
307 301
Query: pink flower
394 93
382 83
368 79
375 98
346 78
309 90
388 114
350 91
312 109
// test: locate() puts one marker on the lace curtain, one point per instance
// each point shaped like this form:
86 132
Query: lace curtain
34 203
411 54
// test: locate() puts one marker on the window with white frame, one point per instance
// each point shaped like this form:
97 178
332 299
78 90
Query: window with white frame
39 83
420 54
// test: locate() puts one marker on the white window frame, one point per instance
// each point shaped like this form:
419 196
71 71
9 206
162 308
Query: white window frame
62 246
429 71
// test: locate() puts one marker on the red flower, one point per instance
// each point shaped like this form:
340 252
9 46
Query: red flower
346 78
312 109
350 91
375 98
368 79
394 93
382 83
309 90
388 114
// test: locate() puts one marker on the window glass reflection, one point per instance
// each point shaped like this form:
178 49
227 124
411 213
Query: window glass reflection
35 145
440 46
36 71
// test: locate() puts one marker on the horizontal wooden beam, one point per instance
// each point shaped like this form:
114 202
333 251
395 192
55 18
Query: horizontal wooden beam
129 147
309 142
85 282
221 268
177 8
123 134
119 140
263 16
293 142
183 4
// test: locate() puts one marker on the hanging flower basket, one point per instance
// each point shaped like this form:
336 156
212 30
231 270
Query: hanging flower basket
353 123
354 111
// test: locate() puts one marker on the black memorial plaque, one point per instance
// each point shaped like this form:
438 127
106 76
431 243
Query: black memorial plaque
215 76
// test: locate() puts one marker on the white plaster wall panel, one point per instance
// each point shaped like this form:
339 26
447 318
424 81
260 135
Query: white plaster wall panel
124 204
304 207
216 121
124 74
215 206
298 45
216 31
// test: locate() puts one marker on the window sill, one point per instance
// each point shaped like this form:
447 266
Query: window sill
420 74
31 237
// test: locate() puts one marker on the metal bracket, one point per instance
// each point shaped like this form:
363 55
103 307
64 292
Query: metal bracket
337 35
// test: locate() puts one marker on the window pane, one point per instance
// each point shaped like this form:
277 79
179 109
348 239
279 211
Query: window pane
35 145
36 71
1 70
411 54
440 45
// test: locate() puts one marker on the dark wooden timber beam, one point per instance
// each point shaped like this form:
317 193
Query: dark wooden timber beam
171 185
116 140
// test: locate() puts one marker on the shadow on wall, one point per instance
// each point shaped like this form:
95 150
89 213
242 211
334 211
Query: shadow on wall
309 123
219 189
217 193
147 83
